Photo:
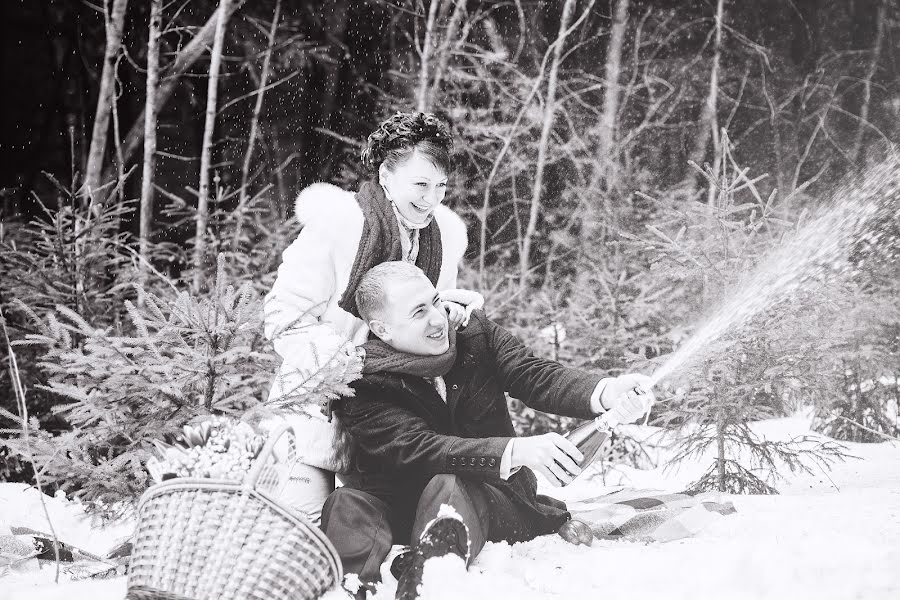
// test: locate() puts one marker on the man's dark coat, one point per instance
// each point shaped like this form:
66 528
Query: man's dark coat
406 433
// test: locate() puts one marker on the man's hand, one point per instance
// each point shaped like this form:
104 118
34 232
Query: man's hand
550 454
627 398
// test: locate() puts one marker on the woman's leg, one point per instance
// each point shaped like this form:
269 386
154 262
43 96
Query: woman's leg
358 525
306 490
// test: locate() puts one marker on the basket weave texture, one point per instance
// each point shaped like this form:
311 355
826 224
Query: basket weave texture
204 539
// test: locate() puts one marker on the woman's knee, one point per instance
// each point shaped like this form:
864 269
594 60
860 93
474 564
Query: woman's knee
352 503
306 490
357 524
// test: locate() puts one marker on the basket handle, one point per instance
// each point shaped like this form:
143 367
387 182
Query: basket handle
268 451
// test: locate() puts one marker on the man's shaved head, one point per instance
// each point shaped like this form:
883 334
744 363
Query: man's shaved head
372 292
403 309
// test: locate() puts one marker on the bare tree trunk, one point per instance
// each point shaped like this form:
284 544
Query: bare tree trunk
186 57
212 92
776 136
709 126
115 23
447 44
611 93
608 170
549 111
720 446
867 82
150 112
117 142
422 97
254 128
337 29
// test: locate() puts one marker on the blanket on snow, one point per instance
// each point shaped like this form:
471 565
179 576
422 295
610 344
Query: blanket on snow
649 515
25 549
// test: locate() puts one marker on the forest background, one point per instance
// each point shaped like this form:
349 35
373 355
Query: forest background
620 164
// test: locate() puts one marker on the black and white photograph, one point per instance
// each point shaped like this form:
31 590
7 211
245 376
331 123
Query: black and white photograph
450 299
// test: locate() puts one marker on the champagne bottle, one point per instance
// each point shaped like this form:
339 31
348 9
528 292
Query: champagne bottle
590 437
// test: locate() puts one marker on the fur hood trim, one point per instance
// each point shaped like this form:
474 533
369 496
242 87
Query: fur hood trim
326 202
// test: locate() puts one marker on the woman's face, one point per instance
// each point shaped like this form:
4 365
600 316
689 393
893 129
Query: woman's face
416 185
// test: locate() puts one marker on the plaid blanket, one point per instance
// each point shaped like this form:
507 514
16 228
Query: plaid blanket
648 515
24 549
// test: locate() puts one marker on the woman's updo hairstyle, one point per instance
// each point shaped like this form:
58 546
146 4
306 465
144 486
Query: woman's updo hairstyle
404 133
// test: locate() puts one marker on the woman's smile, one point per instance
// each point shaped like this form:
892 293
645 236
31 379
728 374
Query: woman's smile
416 187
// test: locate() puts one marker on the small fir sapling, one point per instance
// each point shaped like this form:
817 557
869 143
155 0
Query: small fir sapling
749 372
744 382
178 359
71 254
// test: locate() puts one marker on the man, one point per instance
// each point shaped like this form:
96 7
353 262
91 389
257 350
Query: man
438 464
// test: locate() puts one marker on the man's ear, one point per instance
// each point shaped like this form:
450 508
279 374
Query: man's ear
380 329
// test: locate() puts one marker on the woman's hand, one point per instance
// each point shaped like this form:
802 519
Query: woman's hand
456 314
460 304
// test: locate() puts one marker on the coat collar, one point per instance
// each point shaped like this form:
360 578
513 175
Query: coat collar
423 392
418 392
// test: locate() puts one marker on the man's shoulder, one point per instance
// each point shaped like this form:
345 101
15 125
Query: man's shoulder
478 336
376 383
372 389
480 325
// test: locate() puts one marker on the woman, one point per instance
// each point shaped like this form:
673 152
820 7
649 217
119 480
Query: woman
310 313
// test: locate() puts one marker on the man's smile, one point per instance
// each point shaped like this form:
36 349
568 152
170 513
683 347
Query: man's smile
438 335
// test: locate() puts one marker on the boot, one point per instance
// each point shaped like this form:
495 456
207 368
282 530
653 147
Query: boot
445 535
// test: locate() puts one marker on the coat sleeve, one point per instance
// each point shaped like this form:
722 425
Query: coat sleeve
398 437
293 309
454 240
540 383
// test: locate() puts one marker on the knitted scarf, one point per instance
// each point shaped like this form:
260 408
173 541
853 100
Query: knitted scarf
380 242
381 358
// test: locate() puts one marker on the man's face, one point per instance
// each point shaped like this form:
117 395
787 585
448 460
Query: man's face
413 320
417 186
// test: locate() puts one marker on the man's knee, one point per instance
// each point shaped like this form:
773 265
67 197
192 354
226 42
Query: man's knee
465 496
443 484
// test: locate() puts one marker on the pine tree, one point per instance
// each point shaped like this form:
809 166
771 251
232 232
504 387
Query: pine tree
71 255
177 359
758 369
746 380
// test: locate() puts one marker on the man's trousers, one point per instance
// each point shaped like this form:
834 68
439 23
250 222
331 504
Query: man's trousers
363 527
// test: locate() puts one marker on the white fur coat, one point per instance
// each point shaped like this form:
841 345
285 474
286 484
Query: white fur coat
302 316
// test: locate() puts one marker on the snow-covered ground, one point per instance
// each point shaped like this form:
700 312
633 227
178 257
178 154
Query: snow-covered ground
834 536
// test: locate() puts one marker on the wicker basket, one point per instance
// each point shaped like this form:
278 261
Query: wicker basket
205 539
